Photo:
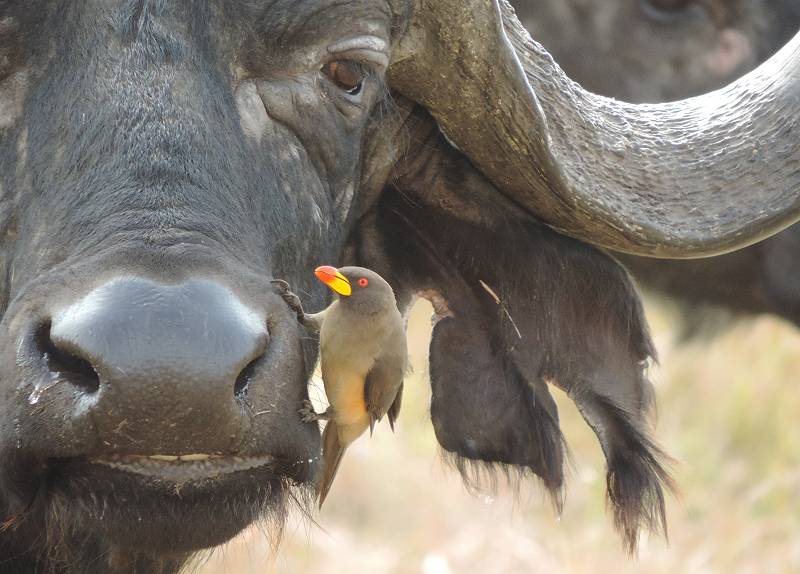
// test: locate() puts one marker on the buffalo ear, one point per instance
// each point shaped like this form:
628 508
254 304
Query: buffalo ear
487 411
519 307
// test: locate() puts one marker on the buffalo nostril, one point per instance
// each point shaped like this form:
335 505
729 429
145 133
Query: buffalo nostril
65 364
243 379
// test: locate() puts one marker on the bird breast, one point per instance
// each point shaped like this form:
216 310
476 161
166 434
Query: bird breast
349 346
353 341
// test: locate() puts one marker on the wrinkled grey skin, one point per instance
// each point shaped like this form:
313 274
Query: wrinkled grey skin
662 50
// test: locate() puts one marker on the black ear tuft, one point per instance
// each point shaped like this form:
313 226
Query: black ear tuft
520 307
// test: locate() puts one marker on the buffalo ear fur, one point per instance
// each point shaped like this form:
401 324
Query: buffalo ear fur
519 307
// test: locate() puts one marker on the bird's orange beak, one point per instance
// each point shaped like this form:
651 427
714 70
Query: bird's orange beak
333 279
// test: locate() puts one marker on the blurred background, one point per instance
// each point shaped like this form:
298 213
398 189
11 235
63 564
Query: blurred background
728 402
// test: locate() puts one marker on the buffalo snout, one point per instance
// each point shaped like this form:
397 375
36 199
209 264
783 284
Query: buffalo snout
160 366
141 365
179 392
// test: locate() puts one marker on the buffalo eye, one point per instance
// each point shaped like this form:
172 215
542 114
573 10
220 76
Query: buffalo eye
363 282
346 75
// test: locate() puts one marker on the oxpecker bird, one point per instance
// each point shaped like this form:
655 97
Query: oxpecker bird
363 357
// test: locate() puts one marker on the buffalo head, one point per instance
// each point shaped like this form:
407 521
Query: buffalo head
161 162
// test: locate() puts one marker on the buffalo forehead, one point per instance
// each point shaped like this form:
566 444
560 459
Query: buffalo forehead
288 36
320 19
282 22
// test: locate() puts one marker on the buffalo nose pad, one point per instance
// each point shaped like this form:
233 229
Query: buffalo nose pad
164 363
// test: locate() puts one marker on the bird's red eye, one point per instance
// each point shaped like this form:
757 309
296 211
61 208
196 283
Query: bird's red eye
363 282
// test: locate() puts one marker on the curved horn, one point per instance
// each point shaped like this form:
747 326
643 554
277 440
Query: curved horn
692 178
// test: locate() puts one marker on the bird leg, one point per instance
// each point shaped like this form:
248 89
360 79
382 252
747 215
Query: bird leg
311 322
309 415
292 300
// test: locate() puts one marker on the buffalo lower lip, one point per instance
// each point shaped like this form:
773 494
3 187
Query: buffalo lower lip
182 468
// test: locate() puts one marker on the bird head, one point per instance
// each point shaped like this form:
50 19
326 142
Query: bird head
358 287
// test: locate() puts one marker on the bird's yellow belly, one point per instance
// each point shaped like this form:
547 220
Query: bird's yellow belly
347 357
345 392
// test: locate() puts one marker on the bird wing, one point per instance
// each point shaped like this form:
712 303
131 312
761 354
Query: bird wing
394 410
383 385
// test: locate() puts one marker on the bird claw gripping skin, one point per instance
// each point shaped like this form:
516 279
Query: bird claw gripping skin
309 415
292 300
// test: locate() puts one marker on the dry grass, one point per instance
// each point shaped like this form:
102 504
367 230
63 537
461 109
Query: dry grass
729 410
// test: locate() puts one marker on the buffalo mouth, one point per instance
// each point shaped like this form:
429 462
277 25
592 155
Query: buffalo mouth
166 503
196 472
184 468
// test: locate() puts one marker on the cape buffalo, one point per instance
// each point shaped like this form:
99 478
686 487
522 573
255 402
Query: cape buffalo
658 50
162 161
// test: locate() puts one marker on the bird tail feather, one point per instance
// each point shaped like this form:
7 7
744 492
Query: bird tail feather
332 452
